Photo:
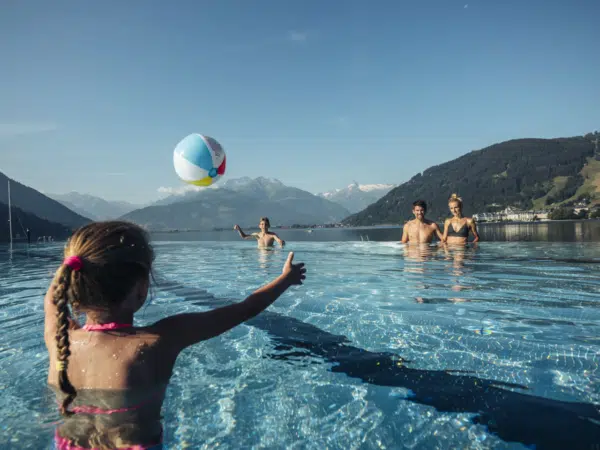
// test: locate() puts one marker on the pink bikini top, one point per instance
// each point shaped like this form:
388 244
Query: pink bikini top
106 326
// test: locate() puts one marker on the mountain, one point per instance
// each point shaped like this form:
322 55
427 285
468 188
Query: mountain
23 220
242 201
521 173
357 197
93 207
31 201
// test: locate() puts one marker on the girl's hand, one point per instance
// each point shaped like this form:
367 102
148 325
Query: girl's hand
294 273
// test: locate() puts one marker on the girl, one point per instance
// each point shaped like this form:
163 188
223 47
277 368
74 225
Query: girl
110 376
456 229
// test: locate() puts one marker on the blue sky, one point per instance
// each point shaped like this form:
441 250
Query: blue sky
95 95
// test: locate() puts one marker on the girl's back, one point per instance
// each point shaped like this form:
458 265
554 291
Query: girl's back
111 377
114 359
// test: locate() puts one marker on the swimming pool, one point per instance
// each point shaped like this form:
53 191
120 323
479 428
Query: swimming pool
383 347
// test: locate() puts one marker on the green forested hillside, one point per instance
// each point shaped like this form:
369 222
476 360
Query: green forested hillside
522 173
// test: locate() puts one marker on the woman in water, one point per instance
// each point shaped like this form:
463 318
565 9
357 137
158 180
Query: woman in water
110 376
456 229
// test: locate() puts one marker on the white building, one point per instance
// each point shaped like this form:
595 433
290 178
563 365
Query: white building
511 215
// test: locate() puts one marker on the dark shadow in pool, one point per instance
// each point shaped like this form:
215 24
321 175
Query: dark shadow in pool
510 415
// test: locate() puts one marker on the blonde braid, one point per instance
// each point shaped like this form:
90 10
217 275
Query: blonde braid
62 338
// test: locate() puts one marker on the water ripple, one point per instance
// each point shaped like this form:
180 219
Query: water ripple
336 363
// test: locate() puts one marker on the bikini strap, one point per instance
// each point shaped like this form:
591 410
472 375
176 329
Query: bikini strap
106 326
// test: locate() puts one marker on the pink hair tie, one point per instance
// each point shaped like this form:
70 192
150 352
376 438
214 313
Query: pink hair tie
74 262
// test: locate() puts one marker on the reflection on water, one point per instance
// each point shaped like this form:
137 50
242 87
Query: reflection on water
264 255
569 231
415 256
111 418
419 259
523 232
457 255
414 264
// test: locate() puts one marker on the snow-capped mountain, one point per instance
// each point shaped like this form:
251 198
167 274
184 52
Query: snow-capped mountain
357 197
242 201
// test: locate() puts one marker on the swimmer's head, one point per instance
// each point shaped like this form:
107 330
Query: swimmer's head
264 223
116 257
455 204
107 268
419 209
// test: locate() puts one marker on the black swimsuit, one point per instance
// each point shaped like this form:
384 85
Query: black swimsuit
462 231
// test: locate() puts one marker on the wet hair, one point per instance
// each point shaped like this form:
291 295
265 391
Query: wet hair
420 203
454 198
115 255
266 221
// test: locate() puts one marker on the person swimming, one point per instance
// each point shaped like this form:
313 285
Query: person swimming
106 274
264 238
420 230
457 228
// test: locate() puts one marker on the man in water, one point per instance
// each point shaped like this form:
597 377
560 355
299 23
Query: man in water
420 230
265 237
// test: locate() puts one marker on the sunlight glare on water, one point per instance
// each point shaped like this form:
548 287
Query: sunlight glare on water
385 346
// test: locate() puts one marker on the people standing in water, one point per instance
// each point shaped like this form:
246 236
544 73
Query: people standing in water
110 376
265 238
420 230
456 229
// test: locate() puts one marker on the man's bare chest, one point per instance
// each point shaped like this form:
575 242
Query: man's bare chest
420 228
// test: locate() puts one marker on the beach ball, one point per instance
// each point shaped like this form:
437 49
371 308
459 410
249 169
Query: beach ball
199 160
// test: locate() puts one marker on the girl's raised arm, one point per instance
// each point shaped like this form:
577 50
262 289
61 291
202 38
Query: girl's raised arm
183 330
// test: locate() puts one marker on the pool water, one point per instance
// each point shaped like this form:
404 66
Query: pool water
385 346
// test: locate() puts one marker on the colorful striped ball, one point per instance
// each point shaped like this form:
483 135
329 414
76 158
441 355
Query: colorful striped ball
199 160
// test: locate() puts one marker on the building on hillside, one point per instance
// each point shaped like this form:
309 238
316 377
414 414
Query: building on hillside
510 214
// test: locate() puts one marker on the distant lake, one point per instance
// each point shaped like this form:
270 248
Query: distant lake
553 231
